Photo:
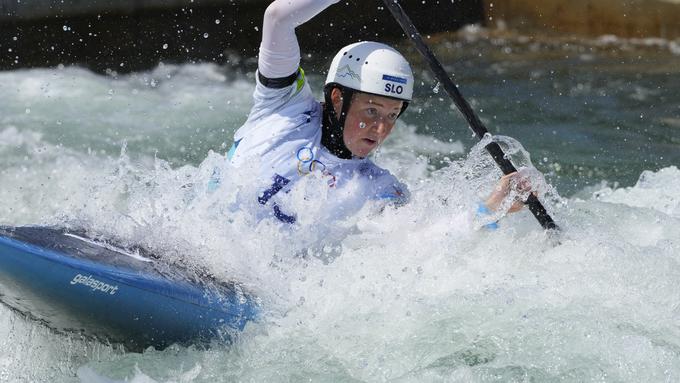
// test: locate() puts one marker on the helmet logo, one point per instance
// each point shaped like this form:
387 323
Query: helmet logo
346 71
400 80
394 88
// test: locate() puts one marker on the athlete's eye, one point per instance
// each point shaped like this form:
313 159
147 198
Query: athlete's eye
393 116
372 112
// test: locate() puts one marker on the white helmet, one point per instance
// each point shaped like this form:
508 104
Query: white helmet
374 68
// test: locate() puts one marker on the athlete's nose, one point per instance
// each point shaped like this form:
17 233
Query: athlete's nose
381 126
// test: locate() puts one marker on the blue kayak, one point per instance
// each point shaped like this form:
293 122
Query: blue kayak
73 283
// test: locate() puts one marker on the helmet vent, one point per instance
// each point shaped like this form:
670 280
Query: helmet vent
358 58
350 56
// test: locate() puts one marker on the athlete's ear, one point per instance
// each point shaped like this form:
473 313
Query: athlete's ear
336 99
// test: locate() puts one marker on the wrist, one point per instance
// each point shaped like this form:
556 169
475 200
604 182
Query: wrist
492 203
483 212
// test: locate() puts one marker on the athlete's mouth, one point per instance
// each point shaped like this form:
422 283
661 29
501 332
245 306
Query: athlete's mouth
370 141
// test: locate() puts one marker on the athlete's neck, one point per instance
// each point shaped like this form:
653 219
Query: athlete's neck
331 134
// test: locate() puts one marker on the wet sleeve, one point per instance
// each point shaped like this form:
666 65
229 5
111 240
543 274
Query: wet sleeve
483 213
279 57
392 191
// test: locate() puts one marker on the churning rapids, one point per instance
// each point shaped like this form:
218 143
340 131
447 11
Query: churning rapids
420 293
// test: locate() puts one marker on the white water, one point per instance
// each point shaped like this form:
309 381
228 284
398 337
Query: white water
414 294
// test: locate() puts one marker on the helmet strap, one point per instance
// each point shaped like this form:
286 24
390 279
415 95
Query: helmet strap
404 105
333 125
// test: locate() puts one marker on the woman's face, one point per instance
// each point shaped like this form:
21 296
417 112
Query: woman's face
369 121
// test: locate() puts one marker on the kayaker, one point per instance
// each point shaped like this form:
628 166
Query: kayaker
290 135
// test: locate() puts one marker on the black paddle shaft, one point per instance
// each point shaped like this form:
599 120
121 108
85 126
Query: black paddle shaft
476 124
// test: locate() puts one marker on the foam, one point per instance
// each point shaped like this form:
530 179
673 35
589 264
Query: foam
658 191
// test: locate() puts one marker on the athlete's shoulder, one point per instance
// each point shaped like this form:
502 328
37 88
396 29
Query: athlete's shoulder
368 168
386 186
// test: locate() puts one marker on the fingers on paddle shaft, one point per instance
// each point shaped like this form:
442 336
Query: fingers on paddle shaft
532 202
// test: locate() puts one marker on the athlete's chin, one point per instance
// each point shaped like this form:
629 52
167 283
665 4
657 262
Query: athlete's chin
364 148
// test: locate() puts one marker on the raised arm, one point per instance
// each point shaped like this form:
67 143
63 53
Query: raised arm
279 50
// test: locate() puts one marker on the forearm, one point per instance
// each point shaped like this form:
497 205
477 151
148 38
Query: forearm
279 50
